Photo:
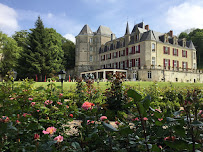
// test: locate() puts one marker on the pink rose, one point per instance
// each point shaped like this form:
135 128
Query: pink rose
145 119
135 119
71 115
117 123
50 130
87 105
47 102
160 119
33 103
59 103
102 118
30 99
36 136
11 98
17 121
59 138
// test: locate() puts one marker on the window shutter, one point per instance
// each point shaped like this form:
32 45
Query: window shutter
169 64
139 62
119 65
104 57
123 64
164 49
182 65
177 52
186 54
178 64
168 50
134 50
186 65
182 53
119 53
173 51
123 52
138 48
173 63
126 51
110 55
127 63
116 54
164 63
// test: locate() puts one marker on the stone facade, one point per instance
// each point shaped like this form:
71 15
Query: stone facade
145 54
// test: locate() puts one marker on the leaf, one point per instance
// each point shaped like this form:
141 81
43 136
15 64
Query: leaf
126 131
146 102
176 113
169 119
109 127
155 148
197 123
76 145
134 94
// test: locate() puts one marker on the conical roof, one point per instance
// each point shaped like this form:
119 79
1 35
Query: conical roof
127 30
86 30
190 45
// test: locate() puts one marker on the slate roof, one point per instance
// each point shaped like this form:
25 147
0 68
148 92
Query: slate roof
103 30
86 30
190 45
149 35
127 30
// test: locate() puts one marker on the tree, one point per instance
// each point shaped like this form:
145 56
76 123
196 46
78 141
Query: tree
69 53
183 35
42 54
197 38
9 54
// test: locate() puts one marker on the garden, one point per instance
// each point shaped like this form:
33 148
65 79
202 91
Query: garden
120 118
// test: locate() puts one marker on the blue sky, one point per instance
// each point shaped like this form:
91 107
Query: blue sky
69 16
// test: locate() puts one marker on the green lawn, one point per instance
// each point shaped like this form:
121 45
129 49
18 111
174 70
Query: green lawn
145 84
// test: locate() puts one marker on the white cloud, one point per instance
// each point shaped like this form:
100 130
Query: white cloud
50 15
70 37
8 19
185 16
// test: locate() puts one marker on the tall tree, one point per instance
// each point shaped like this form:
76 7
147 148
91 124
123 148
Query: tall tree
9 54
69 53
42 53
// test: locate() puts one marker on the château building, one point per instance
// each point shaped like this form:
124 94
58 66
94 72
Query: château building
142 54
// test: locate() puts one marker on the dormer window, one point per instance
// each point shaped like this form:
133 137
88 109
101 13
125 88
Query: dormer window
175 41
136 37
165 38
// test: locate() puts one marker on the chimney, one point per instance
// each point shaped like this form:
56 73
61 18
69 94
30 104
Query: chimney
111 37
147 27
171 33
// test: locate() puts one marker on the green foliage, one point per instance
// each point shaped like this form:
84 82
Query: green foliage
9 54
197 38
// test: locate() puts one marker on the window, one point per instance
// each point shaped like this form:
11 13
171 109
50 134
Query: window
91 48
166 50
175 63
184 53
194 65
149 74
91 40
102 57
108 65
121 64
194 55
175 52
126 64
166 63
153 60
130 63
102 66
91 58
115 55
114 46
130 50
137 62
137 49
184 65
112 65
136 37
153 47
108 56
123 53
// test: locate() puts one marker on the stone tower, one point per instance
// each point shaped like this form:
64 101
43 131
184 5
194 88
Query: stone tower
88 44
